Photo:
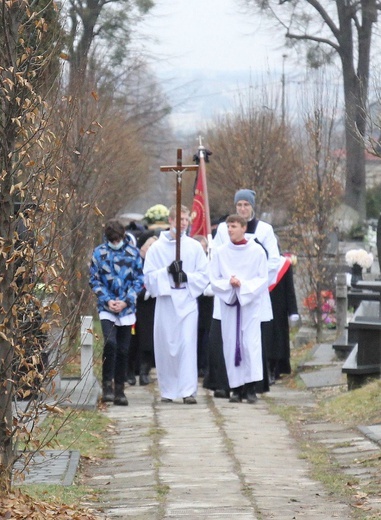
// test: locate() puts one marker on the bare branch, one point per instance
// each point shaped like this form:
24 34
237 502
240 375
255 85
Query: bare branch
308 37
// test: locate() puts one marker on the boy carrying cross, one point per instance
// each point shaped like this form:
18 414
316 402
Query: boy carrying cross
239 277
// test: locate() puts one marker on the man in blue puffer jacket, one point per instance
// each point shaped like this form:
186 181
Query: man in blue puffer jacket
116 278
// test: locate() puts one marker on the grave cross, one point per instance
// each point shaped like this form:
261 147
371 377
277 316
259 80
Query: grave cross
179 169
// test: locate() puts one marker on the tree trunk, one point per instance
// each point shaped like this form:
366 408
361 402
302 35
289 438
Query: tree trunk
6 349
355 187
79 48
6 319
355 96
8 112
356 86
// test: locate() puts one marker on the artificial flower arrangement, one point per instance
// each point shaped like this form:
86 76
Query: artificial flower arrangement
328 308
157 213
371 237
359 257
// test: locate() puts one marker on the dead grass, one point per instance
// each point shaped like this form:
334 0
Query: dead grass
360 406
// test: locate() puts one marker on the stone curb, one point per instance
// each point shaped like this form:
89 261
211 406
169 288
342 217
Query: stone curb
372 432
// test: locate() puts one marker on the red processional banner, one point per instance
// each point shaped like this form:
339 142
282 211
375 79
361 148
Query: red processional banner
200 207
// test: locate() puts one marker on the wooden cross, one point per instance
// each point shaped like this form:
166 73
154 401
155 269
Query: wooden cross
179 169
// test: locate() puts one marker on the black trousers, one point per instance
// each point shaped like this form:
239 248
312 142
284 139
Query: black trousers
115 351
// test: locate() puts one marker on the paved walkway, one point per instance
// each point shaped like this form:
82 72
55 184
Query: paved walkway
221 460
217 460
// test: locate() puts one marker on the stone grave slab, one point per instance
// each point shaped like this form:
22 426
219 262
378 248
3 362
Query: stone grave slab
330 376
322 354
51 467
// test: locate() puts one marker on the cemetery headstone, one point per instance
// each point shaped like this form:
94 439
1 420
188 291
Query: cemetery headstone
379 241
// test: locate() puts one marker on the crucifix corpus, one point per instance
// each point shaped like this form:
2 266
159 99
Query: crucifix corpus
179 169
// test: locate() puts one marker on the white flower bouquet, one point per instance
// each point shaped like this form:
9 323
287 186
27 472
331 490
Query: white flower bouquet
359 257
157 213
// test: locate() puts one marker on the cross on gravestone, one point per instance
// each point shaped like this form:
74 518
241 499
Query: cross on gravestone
179 169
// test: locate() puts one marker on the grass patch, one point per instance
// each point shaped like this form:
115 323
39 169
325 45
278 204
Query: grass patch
340 406
156 432
162 491
60 495
326 470
80 430
360 406
85 431
323 466
291 414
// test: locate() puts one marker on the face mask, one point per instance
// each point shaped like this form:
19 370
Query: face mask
116 246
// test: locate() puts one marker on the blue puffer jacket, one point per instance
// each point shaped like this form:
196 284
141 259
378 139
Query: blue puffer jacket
116 274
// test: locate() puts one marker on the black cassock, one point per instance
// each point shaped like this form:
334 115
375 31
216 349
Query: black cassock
277 333
141 352
216 377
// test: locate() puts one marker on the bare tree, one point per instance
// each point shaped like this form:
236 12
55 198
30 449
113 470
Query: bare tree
109 153
30 200
345 29
108 21
114 114
53 165
252 148
33 281
316 197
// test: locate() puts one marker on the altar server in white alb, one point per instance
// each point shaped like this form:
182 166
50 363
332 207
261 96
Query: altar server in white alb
263 233
239 278
176 286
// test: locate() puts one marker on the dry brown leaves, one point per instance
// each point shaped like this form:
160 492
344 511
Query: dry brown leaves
19 506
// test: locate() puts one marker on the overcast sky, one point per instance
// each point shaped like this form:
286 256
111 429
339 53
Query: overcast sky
214 45
212 34
219 50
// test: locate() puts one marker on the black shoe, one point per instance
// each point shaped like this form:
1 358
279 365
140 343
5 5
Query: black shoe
107 392
144 380
236 396
189 400
120 399
131 379
223 394
251 396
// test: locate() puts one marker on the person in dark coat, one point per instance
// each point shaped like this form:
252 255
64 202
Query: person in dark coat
285 310
141 353
216 377
205 312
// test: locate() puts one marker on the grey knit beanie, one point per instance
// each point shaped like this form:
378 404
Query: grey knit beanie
248 195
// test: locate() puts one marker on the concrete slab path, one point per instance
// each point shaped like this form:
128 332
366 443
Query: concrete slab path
213 460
